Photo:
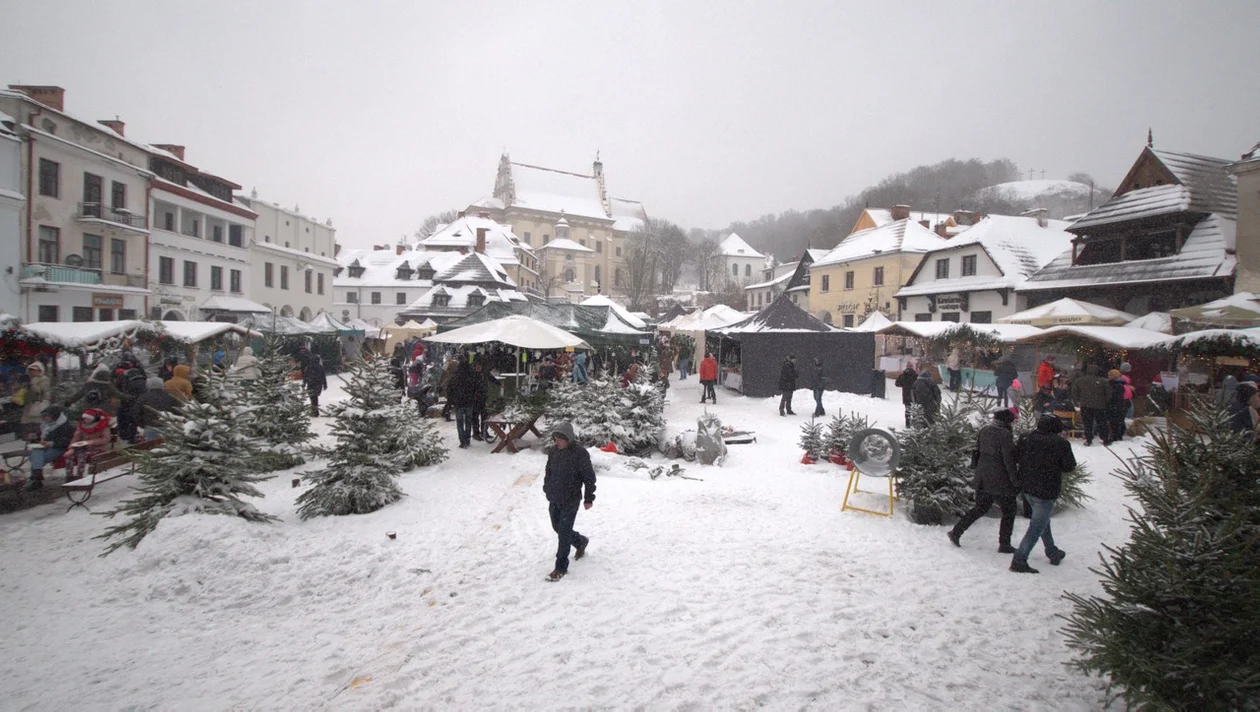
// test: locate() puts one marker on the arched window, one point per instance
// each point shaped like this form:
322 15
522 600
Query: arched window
305 314
747 270
596 273
286 310
734 270
568 275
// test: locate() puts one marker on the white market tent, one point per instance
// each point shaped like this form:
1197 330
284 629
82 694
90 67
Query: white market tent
1155 321
1069 311
874 322
1242 337
599 300
283 325
325 322
1238 310
94 334
1006 333
1121 337
398 333
698 322
193 332
516 330
369 331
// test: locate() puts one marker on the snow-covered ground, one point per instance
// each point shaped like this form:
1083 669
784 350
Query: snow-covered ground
748 588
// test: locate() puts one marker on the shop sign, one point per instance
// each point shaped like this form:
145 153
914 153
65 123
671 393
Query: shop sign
107 301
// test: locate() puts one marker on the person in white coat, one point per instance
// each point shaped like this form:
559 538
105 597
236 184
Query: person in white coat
246 368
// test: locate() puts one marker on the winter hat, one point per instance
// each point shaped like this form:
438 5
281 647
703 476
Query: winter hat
1157 379
35 367
1050 424
1004 416
1125 367
1113 373
153 383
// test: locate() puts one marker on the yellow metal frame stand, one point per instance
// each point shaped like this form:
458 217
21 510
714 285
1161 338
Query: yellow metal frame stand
854 477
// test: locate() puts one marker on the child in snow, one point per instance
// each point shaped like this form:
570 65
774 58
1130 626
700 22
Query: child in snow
93 431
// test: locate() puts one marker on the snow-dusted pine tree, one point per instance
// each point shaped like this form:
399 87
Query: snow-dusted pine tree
372 429
602 412
1175 626
283 415
935 473
205 464
1073 492
837 438
812 439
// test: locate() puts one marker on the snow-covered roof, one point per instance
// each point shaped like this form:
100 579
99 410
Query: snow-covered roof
1140 203
294 252
380 267
1241 337
501 242
1212 188
781 279
905 236
554 191
1006 333
781 315
600 300
476 268
816 254
515 330
883 216
874 322
1018 247
324 320
1124 337
192 332
90 334
1155 321
458 304
1240 309
1030 189
1205 253
628 215
1203 185
565 244
234 304
734 246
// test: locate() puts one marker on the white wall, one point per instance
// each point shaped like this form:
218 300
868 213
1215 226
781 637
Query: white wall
11 204
377 314
201 250
988 300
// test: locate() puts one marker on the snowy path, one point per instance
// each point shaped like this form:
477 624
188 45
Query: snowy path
748 588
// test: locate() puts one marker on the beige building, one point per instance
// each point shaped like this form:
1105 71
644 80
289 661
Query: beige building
540 204
288 241
863 273
1247 171
84 224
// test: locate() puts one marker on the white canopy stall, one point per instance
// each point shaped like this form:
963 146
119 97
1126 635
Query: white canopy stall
698 322
1070 311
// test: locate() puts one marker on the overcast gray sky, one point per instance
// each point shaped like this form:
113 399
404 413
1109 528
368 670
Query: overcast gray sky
380 113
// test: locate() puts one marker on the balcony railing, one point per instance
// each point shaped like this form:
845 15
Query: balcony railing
61 273
97 211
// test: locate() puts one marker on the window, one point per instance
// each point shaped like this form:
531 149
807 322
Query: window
848 321
546 238
826 283
376 297
599 246
942 269
969 265
619 250
400 298
848 280
476 300
190 273
617 275
747 270
950 316
596 271
92 251
734 270
48 312
93 190
878 278
308 279
117 197
166 270
117 255
981 317
352 297
284 276
49 246
234 281
216 233
168 221
81 314
319 283
126 314
568 274
444 300
105 315
216 279
49 183
236 235
269 274
526 234
923 317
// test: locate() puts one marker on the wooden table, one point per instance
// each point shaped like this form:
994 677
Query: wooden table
509 432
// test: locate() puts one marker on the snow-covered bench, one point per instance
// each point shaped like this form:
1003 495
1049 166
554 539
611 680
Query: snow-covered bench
106 466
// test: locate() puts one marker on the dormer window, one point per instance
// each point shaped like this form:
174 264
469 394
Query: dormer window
404 271
476 300
427 272
355 269
441 300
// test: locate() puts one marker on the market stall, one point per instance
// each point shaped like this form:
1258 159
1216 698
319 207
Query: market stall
1241 310
698 323
1109 346
1069 311
980 347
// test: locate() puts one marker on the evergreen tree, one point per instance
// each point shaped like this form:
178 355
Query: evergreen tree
283 415
205 464
374 429
837 434
812 439
1175 626
935 474
603 411
1072 494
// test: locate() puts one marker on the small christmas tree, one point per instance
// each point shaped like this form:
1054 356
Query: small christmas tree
935 473
603 411
204 464
283 422
373 430
837 441
812 439
1072 493
1175 626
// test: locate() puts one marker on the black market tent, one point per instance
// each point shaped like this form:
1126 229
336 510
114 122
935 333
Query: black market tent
763 341
599 326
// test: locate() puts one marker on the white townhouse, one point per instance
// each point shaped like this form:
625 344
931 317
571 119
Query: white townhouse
742 264
12 202
975 277
83 226
375 285
292 260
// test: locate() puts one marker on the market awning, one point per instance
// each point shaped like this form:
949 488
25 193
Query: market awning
93 334
194 332
515 330
1006 333
1070 311
325 321
874 322
1122 337
1241 309
236 305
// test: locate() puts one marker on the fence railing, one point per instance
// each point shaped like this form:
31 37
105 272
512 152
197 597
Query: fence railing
62 273
98 211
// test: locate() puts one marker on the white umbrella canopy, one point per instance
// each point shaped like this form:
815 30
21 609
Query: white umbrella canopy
1070 311
516 330
1238 310
874 322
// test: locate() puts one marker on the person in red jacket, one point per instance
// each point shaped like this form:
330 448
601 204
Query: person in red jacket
1045 373
708 377
94 434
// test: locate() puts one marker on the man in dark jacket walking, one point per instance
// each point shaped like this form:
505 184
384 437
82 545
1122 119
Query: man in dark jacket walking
927 395
1092 392
1043 458
996 479
568 471
820 384
462 394
315 378
1004 375
905 382
787 384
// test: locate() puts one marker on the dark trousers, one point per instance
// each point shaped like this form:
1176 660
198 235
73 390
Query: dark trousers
708 392
907 406
1094 422
818 408
1115 421
1001 395
314 403
464 424
126 424
955 379
563 515
785 403
984 501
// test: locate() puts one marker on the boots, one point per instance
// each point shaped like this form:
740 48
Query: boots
36 482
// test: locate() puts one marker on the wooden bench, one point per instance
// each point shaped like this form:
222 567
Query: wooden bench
104 467
508 432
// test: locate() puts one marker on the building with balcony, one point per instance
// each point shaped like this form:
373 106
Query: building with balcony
289 242
84 219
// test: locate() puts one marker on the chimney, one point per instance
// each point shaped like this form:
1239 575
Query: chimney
900 212
460 216
926 223
481 240
171 148
484 214
115 124
942 230
1041 215
380 248
967 218
399 249
54 97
